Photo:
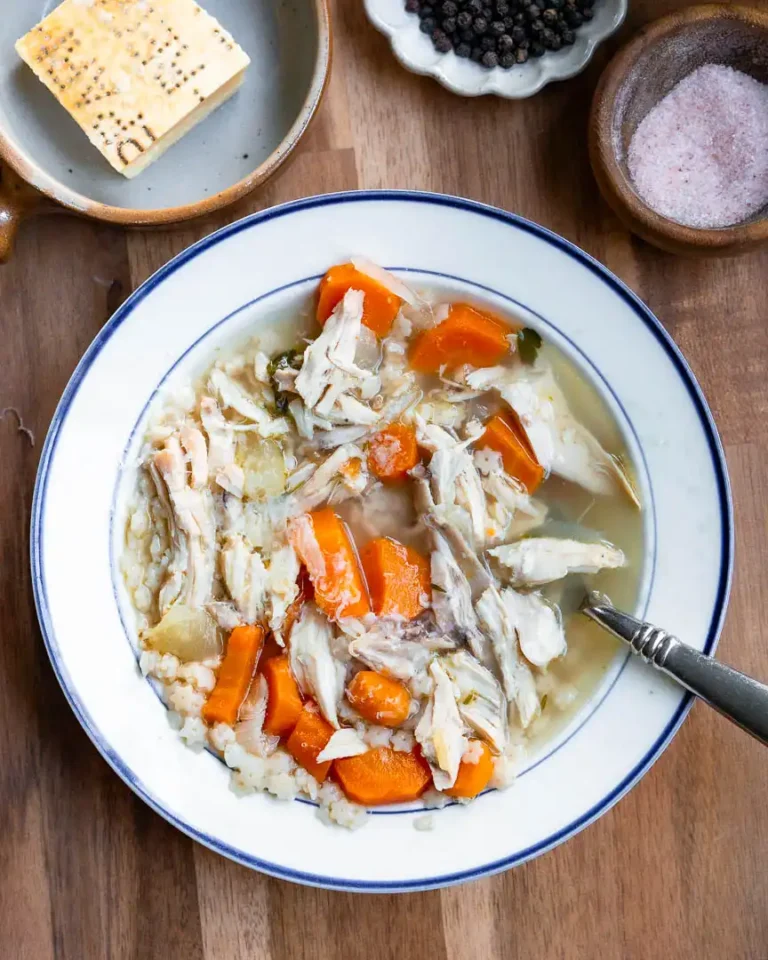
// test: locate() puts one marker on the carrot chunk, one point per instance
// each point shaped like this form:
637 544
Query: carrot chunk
505 434
379 699
383 775
380 306
309 737
398 578
284 704
465 336
321 540
473 778
393 452
235 675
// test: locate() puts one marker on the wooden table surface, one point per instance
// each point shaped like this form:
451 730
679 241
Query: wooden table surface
677 870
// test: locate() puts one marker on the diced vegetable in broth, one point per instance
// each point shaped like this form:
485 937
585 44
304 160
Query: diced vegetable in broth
356 559
189 633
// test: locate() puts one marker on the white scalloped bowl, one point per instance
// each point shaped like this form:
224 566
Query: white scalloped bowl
415 52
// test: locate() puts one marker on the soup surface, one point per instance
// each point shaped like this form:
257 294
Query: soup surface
359 541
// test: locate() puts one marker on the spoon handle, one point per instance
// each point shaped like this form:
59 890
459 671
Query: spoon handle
736 696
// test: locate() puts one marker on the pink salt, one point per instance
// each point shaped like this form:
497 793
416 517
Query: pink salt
700 156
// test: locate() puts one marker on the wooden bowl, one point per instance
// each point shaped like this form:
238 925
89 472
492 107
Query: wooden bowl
640 75
48 165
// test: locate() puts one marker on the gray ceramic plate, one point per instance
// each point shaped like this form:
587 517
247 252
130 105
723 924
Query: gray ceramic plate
224 157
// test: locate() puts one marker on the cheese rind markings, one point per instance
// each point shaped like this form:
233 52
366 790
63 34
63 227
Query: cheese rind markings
134 74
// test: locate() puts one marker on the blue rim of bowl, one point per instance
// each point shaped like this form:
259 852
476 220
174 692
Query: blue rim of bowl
594 702
642 312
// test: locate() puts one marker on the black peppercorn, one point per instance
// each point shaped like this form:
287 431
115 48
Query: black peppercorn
500 32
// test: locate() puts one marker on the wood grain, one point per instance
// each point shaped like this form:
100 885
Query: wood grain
676 870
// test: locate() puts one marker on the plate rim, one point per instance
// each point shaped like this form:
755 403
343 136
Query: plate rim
643 313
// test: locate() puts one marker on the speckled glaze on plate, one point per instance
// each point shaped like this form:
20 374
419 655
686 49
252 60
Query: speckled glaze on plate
416 53
219 161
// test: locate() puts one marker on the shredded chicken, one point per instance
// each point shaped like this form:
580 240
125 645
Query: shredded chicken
245 577
249 731
232 479
232 395
480 698
192 529
517 679
538 625
221 441
328 369
452 601
438 521
282 587
441 730
194 444
225 614
545 559
317 673
346 742
319 487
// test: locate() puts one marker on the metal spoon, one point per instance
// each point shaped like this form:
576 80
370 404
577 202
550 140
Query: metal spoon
733 694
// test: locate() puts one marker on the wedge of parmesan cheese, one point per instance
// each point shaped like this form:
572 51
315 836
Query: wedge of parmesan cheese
136 75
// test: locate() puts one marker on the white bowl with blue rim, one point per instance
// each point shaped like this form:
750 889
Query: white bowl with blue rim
416 53
244 276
